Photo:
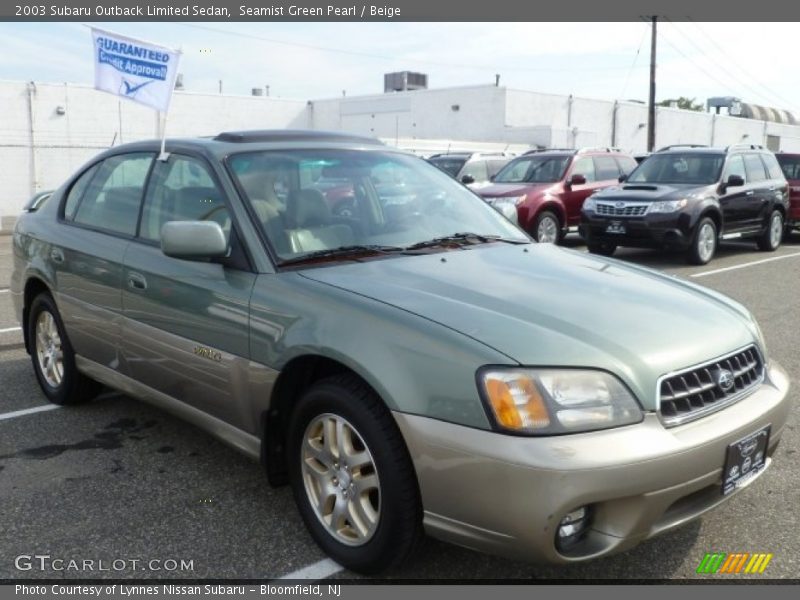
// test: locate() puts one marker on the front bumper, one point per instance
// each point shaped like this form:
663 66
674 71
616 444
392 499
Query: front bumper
506 494
649 231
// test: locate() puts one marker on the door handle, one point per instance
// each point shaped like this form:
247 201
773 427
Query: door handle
750 193
137 281
57 255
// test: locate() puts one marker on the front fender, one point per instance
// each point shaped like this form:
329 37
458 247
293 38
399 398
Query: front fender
415 365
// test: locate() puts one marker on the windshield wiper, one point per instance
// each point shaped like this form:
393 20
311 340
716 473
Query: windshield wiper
463 238
343 251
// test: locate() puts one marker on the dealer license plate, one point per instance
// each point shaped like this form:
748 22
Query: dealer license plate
745 460
615 227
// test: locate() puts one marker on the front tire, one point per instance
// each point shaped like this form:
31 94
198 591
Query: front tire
547 229
352 477
53 357
601 248
704 242
770 240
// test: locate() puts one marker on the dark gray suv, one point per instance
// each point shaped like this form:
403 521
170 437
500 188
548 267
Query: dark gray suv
691 198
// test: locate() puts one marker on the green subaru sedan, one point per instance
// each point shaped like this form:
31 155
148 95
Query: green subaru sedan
395 349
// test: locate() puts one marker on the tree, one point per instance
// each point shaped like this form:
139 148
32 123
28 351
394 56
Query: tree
683 103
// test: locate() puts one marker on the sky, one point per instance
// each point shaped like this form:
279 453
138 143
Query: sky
753 61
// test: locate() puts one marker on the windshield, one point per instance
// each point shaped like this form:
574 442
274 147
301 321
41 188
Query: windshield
700 169
312 201
790 165
533 169
449 164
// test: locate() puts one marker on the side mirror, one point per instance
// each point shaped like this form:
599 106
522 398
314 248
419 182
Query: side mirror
622 178
467 179
491 177
577 179
193 240
734 181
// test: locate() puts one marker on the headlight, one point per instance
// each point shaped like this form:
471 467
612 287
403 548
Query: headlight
667 206
552 401
590 204
515 200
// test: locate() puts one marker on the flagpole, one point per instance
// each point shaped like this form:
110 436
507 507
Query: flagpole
163 156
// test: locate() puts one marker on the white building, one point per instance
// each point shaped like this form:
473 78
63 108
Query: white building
48 130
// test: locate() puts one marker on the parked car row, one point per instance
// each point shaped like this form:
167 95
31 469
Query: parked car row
689 197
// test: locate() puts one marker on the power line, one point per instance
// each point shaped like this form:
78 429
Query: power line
773 94
723 68
724 84
633 64
474 67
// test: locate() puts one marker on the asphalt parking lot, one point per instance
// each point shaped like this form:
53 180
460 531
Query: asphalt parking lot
116 479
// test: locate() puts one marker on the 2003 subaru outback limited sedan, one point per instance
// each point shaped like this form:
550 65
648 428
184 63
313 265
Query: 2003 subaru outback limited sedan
417 363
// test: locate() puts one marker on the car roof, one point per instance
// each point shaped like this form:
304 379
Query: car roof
230 142
694 149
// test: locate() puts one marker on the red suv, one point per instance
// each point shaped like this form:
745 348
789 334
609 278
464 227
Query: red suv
790 163
548 187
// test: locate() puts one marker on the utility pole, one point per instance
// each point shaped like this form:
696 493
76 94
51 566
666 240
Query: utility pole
651 108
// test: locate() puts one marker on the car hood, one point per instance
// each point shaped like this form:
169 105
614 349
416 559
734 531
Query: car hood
648 191
497 190
541 305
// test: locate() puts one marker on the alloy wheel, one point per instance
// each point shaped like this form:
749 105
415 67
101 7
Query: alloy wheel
706 242
341 479
547 231
49 351
775 230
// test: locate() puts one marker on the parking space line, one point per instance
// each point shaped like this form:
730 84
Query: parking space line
27 411
319 570
742 266
10 329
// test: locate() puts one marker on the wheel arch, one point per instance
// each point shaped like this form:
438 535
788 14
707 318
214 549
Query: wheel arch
715 215
550 205
33 287
298 375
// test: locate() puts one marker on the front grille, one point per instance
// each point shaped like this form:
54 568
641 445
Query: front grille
700 390
629 210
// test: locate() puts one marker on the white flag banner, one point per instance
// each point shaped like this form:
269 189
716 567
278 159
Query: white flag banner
136 70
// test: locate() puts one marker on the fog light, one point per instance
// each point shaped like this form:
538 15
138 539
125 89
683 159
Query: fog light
572 527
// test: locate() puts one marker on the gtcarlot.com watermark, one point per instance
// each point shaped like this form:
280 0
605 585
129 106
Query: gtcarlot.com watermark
46 563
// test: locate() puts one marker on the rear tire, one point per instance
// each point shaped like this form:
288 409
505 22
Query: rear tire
704 242
770 240
601 248
53 357
352 476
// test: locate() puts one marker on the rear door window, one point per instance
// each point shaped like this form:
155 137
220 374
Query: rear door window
606 168
773 168
114 195
77 191
790 165
755 168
